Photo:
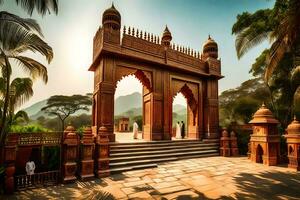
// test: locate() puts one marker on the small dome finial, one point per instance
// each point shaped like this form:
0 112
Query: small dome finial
295 118
167 37
209 37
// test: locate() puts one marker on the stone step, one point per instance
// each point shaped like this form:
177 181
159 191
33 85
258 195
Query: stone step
154 142
156 145
142 161
154 156
162 151
119 169
114 170
166 147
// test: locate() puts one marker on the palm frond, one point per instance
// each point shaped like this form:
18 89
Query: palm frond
21 114
247 39
41 6
277 51
26 23
33 67
14 40
21 91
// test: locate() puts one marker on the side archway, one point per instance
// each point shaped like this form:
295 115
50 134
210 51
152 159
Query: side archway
191 92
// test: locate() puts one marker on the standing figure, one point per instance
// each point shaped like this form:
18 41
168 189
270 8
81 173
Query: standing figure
178 132
182 130
135 130
30 167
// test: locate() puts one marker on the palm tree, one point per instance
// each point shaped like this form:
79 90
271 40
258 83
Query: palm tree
41 6
15 40
20 91
281 25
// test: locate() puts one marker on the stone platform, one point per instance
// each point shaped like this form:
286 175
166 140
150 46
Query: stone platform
201 178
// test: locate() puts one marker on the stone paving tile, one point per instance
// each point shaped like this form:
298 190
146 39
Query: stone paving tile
202 178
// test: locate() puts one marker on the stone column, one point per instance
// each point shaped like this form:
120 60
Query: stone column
102 152
234 151
293 144
87 162
225 144
9 159
70 152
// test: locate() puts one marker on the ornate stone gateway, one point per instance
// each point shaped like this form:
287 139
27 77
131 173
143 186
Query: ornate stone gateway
164 69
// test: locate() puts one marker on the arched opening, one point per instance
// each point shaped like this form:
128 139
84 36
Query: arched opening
259 154
291 151
179 117
190 124
128 108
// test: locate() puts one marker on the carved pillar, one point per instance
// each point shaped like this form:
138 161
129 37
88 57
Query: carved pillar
265 140
102 152
105 108
87 162
234 151
225 144
9 159
293 144
211 109
70 152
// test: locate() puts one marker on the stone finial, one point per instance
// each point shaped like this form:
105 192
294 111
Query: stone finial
225 133
232 134
167 37
129 30
124 30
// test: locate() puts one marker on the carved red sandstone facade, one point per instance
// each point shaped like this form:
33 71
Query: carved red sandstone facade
164 70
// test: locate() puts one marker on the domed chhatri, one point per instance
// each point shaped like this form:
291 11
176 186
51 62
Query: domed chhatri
294 127
265 140
210 48
263 115
111 18
293 144
167 37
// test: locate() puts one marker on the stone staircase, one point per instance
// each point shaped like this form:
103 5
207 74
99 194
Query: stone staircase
140 155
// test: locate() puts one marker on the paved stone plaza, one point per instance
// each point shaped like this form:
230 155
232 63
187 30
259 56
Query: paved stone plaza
202 178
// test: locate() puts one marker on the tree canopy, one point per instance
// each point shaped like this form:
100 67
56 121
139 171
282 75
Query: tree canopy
64 106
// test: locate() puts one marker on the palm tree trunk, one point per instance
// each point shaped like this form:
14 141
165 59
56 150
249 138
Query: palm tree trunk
6 103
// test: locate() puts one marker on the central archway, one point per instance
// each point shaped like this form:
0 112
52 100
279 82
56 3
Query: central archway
145 78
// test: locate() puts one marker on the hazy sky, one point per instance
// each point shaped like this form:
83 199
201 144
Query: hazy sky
70 33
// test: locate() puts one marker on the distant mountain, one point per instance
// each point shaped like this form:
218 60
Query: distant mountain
128 105
128 102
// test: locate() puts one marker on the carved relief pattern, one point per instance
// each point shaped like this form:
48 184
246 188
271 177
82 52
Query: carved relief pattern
142 45
187 59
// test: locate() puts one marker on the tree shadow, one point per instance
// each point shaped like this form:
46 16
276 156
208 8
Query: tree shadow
268 185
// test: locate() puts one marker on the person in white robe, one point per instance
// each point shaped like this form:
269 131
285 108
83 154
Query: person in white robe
30 167
178 129
135 130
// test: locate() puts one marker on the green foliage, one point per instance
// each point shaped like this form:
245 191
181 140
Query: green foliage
239 104
64 106
280 25
243 138
31 128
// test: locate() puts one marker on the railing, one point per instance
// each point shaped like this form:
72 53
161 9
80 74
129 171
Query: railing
42 138
37 180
